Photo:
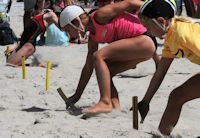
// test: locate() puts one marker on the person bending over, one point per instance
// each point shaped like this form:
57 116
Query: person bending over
128 45
158 17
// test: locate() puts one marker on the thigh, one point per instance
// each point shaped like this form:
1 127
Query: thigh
128 49
118 67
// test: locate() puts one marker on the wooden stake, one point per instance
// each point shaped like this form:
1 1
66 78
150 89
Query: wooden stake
64 97
7 53
48 75
135 111
23 68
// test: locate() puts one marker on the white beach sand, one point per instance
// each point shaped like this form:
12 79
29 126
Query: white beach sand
27 110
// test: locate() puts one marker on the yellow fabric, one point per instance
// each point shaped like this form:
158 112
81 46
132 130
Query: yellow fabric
183 40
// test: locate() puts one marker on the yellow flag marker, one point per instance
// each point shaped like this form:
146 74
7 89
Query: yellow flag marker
48 75
135 111
23 68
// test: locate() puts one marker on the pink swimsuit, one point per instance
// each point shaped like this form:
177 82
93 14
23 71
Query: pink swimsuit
124 26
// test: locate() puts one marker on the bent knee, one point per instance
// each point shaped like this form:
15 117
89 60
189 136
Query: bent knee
29 47
98 56
148 45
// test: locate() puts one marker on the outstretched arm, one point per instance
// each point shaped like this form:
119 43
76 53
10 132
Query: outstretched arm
88 68
105 14
155 83
86 72
158 77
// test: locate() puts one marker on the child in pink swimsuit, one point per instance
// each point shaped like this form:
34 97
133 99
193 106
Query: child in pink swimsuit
127 45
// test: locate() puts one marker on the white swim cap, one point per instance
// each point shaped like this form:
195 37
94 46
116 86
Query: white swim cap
69 14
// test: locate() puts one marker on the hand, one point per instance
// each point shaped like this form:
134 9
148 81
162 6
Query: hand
143 108
71 101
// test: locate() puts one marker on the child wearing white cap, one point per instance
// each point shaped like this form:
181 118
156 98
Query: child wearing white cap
127 45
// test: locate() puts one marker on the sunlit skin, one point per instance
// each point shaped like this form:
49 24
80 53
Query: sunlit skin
110 60
153 28
73 32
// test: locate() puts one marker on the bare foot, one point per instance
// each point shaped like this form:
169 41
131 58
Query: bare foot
115 103
101 107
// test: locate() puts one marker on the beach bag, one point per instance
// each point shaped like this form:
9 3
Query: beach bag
6 35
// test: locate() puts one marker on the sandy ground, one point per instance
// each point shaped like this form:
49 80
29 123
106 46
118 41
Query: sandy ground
28 110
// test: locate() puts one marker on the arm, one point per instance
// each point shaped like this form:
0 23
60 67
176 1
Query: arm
50 18
87 69
105 14
157 79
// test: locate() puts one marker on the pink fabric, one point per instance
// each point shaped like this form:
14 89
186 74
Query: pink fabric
124 26
61 5
196 1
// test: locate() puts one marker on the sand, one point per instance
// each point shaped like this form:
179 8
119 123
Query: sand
28 110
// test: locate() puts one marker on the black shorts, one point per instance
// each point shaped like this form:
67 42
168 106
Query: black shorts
153 39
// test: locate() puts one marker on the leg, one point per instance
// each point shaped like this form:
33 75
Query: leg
116 68
114 96
27 50
186 92
133 49
156 59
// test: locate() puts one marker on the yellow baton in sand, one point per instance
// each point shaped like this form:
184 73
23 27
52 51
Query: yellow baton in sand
135 111
23 68
48 75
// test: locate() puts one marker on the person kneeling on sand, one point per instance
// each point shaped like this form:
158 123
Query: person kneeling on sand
37 25
128 45
157 16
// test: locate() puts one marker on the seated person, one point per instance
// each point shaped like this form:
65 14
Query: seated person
37 25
